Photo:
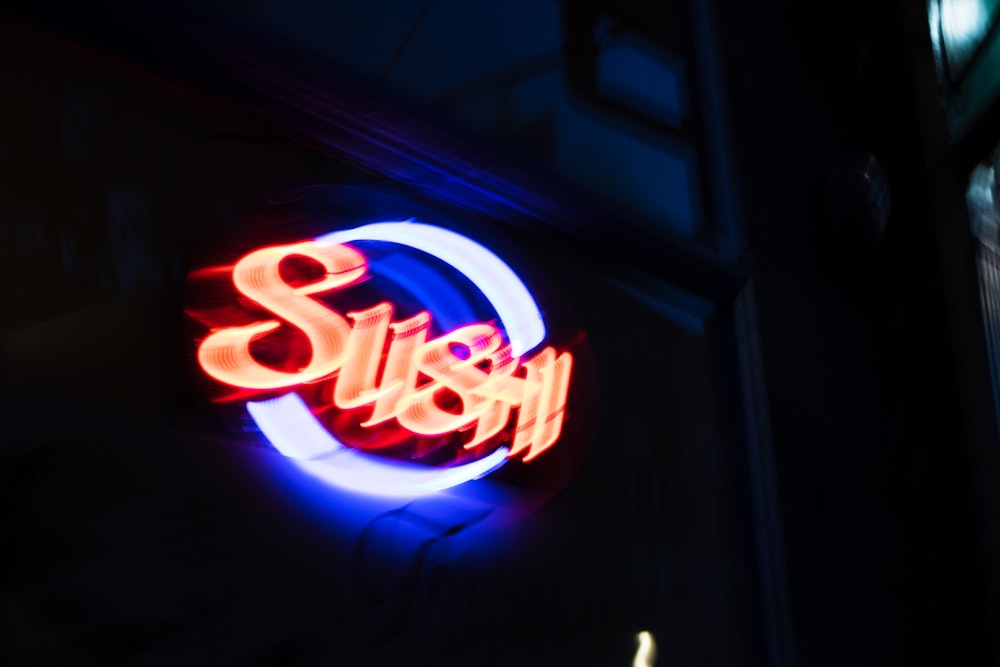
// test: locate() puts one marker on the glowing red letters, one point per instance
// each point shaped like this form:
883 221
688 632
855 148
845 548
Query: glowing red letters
489 381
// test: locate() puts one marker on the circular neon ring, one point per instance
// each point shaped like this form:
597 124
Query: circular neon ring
294 431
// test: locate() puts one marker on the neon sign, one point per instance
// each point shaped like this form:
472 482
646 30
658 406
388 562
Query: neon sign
474 383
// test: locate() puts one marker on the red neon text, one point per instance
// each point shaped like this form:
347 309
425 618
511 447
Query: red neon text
489 381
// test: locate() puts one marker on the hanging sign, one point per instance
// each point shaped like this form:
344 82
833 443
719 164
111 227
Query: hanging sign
343 368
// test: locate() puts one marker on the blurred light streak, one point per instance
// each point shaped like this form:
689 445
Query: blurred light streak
645 655
984 218
958 28
963 21
487 396
509 296
934 20
429 287
291 428
543 409
225 353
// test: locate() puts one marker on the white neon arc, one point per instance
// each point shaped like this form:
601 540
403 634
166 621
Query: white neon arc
294 431
499 284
